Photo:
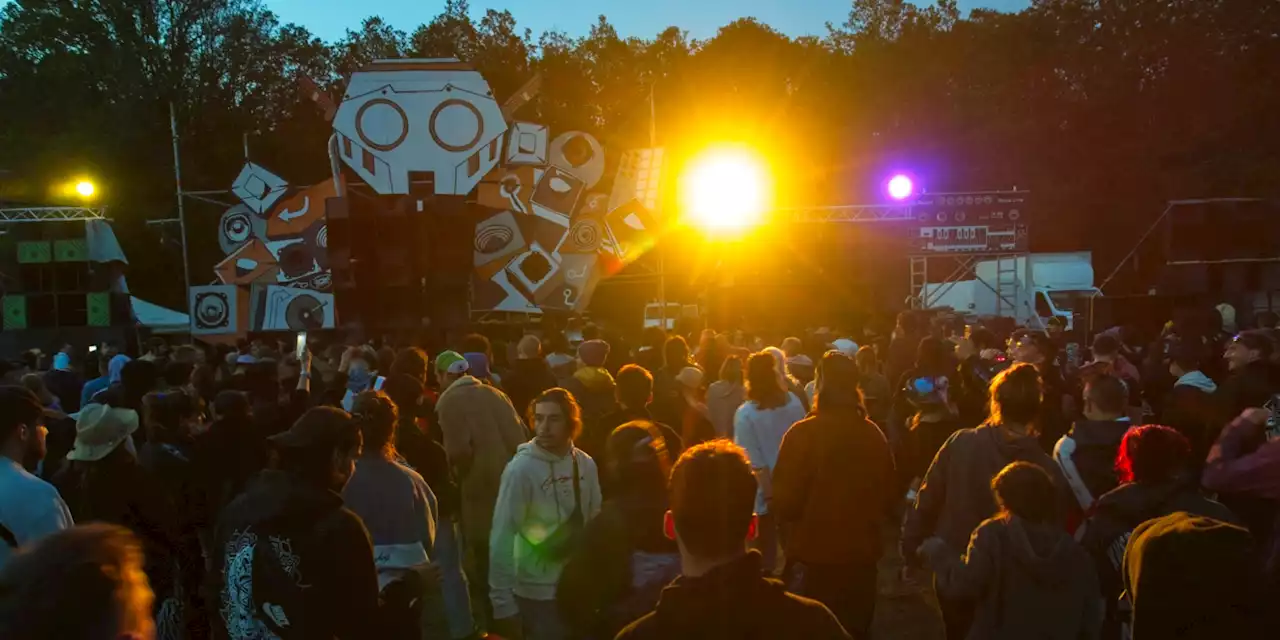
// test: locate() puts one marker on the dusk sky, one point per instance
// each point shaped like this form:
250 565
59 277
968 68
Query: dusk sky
330 19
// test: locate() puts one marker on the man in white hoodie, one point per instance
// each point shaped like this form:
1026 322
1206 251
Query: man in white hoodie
549 491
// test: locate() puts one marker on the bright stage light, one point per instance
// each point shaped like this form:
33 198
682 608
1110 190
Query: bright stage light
85 189
726 190
900 187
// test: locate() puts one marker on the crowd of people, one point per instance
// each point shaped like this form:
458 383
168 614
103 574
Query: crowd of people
730 489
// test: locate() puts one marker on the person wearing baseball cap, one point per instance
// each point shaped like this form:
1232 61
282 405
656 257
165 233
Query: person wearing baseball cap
314 541
481 432
30 508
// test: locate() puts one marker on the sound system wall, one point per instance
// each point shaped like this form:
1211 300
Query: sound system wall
50 283
401 263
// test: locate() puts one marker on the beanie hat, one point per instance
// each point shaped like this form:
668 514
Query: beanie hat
593 353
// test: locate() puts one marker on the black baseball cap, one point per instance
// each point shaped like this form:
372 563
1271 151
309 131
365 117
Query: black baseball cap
319 427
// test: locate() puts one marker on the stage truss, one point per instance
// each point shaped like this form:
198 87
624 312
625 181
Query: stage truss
45 214
960 263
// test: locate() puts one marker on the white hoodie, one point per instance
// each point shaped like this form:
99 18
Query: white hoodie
535 498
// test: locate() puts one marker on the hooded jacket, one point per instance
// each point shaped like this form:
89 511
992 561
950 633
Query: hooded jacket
834 482
1087 455
593 388
723 400
1188 408
313 541
1193 578
734 602
535 499
1030 580
481 433
1114 517
955 496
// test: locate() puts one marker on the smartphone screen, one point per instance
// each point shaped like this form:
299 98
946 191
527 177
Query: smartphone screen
302 344
93 348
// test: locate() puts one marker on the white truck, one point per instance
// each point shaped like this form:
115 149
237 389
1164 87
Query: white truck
1035 289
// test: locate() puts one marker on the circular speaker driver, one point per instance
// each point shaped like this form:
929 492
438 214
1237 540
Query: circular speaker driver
304 313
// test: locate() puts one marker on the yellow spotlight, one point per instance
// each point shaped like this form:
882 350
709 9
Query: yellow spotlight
726 190
85 189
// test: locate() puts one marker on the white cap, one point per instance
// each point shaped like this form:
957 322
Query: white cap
845 346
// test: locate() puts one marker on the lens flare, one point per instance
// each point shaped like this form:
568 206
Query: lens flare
900 187
726 190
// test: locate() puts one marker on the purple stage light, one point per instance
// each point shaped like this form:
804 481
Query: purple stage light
900 187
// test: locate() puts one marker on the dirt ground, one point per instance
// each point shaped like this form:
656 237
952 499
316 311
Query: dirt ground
903 613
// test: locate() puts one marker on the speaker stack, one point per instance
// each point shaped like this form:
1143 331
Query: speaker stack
51 284
401 263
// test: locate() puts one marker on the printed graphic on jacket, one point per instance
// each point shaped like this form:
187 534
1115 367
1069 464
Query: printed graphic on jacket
244 620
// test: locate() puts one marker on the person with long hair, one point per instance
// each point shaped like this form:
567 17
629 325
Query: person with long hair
625 560
725 395
833 484
955 496
550 490
758 427
1152 464
1027 576
400 512
788 381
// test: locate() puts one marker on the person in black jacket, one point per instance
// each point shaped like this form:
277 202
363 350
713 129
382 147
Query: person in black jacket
955 496
1252 379
1188 407
290 530
1087 454
530 375
228 453
721 592
1152 463
624 561
173 418
634 388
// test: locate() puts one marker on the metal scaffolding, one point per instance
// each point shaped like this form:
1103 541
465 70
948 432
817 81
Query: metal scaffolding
43 214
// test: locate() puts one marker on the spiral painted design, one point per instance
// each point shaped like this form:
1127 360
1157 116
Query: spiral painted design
493 239
585 236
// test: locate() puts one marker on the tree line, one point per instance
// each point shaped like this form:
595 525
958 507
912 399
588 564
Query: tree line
1104 109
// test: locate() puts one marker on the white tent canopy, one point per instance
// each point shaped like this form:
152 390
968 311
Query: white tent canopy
158 318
